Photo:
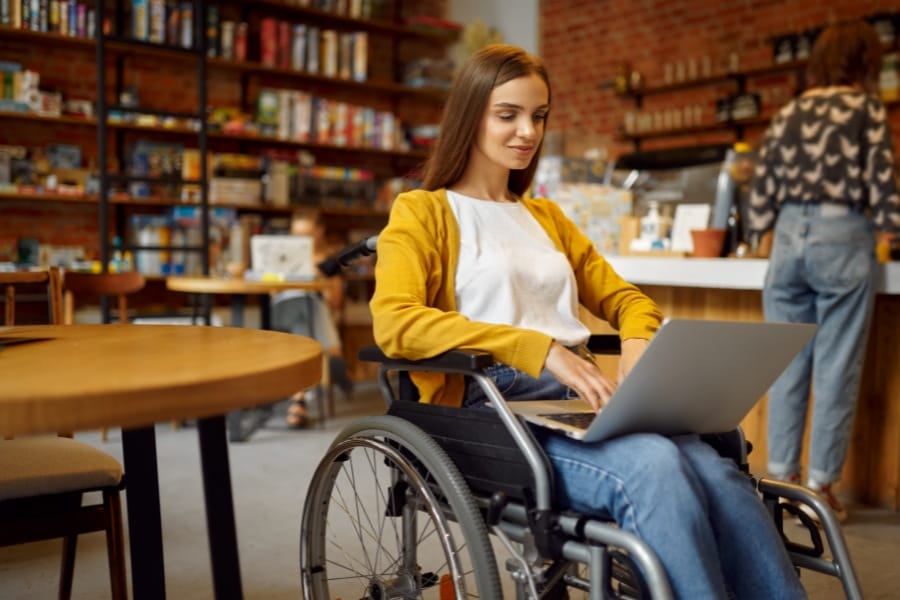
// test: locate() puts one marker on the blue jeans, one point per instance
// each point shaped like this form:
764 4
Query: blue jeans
695 509
822 270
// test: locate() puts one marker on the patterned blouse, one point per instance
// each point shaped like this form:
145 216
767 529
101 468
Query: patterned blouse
829 147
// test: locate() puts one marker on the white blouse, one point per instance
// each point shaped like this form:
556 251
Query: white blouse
511 273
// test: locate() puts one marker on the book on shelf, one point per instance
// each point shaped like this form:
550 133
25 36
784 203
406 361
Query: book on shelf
359 69
173 22
268 42
329 53
226 40
284 44
240 42
345 55
140 19
213 38
298 47
157 21
312 50
186 25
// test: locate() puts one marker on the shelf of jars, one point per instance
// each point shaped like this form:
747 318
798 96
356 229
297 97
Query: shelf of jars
671 131
663 131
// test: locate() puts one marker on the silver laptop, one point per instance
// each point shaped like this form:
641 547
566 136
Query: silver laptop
694 377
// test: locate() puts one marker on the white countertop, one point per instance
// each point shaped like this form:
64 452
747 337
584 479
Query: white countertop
722 273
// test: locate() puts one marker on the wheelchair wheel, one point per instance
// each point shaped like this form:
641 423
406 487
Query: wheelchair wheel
388 515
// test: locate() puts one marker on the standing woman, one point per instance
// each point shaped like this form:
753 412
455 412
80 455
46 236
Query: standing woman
468 262
826 181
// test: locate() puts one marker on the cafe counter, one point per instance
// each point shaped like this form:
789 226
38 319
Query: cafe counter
730 289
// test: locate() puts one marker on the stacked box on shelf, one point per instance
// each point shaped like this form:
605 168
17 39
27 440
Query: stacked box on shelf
237 179
155 159
336 187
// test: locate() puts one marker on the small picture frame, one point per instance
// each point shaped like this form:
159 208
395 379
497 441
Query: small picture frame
687 217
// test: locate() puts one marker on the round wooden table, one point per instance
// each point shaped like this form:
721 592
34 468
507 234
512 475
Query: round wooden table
71 377
221 285
242 424
239 289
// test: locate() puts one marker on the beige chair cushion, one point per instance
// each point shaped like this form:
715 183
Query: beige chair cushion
50 465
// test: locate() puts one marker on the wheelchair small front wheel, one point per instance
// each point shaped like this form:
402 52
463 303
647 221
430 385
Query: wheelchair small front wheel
388 515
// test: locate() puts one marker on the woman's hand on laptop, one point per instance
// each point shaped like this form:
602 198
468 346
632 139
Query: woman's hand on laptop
632 348
581 375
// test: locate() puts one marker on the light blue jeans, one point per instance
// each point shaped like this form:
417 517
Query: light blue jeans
695 509
822 270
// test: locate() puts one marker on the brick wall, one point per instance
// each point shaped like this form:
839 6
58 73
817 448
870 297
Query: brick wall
168 84
583 42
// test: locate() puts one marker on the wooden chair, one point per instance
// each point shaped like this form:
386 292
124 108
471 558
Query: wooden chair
119 285
49 278
43 479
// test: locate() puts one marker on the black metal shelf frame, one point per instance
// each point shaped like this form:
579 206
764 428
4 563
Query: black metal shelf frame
119 46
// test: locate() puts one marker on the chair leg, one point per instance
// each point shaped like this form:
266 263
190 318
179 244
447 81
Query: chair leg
104 434
115 546
67 567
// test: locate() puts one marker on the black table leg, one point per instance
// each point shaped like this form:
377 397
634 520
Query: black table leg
265 312
148 577
219 508
237 310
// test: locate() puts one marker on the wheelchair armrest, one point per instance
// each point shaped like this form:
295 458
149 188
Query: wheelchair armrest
607 343
456 360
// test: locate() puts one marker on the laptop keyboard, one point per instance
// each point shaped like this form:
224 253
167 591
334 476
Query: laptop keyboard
582 420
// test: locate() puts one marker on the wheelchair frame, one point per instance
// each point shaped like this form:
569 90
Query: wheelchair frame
618 563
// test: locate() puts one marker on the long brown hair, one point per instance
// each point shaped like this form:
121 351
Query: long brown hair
488 68
846 53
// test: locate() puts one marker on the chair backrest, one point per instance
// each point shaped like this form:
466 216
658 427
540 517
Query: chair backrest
101 284
21 280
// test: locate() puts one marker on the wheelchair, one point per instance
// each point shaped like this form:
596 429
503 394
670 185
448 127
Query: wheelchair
412 504
406 505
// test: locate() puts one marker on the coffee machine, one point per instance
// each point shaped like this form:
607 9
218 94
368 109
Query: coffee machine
717 175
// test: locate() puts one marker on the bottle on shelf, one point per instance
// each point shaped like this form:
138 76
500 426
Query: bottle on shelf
117 264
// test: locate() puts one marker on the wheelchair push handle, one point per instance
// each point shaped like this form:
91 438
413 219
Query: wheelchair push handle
333 264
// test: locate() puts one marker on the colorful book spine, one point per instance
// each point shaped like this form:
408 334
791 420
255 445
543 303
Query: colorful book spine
268 42
312 50
73 18
81 20
213 38
360 66
173 19
226 40
186 25
329 53
140 23
240 42
284 45
52 17
157 21
298 48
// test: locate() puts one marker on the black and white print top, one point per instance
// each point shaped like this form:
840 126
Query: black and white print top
833 146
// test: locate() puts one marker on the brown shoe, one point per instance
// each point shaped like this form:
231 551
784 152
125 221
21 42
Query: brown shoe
837 507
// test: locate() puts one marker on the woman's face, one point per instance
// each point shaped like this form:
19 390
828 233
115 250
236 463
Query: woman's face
513 123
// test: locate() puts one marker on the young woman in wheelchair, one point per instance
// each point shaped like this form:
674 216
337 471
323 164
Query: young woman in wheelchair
468 262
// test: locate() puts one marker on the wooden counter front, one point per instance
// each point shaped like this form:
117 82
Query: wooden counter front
872 472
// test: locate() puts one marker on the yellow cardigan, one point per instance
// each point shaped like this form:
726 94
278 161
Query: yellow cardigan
414 305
